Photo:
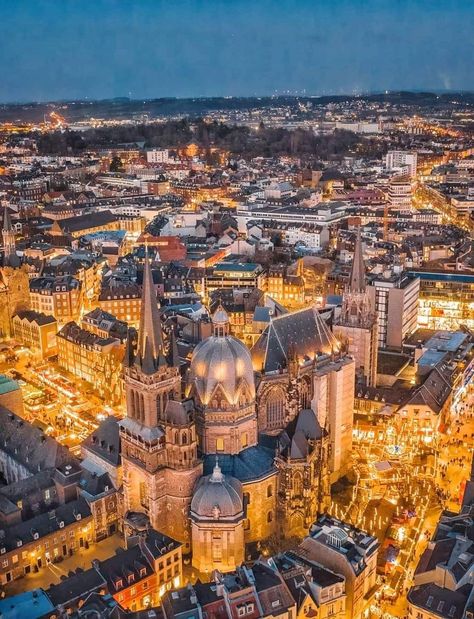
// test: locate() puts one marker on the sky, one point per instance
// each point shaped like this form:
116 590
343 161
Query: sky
73 49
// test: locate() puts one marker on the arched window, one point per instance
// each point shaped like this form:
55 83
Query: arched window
176 438
275 408
305 394
142 407
270 517
269 491
297 484
184 438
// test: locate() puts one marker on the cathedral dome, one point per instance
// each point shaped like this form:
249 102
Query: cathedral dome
217 496
222 361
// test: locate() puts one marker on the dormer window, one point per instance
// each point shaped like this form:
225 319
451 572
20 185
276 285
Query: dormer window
61 524
19 543
118 583
35 535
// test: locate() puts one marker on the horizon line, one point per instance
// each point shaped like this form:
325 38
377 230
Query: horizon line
86 99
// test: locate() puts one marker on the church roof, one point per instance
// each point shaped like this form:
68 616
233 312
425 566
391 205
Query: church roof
217 496
304 331
222 362
250 464
296 440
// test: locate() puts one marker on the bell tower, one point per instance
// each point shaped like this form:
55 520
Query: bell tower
357 324
8 236
149 380
158 435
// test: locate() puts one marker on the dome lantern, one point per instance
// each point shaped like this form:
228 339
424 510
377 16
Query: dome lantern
220 322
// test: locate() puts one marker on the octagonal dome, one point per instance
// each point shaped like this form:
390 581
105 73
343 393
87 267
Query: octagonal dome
217 497
222 361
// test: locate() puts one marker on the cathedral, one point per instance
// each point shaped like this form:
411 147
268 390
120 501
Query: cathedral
235 452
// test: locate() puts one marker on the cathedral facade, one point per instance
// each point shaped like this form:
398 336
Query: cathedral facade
197 459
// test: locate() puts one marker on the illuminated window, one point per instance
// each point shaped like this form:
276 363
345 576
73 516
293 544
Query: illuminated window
275 406
216 547
220 444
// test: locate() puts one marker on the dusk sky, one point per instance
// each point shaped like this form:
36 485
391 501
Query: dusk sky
66 49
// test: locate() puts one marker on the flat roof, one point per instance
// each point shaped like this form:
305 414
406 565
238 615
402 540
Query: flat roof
231 266
32 604
7 385
447 341
461 278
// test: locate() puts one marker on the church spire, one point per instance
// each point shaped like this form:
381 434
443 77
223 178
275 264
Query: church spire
150 353
357 276
8 235
7 222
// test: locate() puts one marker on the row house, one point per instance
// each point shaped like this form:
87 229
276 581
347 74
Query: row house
60 297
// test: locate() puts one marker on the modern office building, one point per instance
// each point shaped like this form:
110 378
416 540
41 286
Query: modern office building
395 297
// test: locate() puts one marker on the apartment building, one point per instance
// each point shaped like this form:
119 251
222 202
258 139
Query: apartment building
60 297
37 331
345 550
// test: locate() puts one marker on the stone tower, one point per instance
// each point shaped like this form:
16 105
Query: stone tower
158 436
357 324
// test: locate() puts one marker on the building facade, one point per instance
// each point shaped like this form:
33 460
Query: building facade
395 298
36 331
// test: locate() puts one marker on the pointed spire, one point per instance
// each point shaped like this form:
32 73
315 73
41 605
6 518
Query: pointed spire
8 237
150 354
7 222
357 276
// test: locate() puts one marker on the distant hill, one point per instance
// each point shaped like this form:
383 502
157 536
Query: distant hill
123 107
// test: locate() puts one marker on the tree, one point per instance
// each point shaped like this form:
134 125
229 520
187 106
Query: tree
116 165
